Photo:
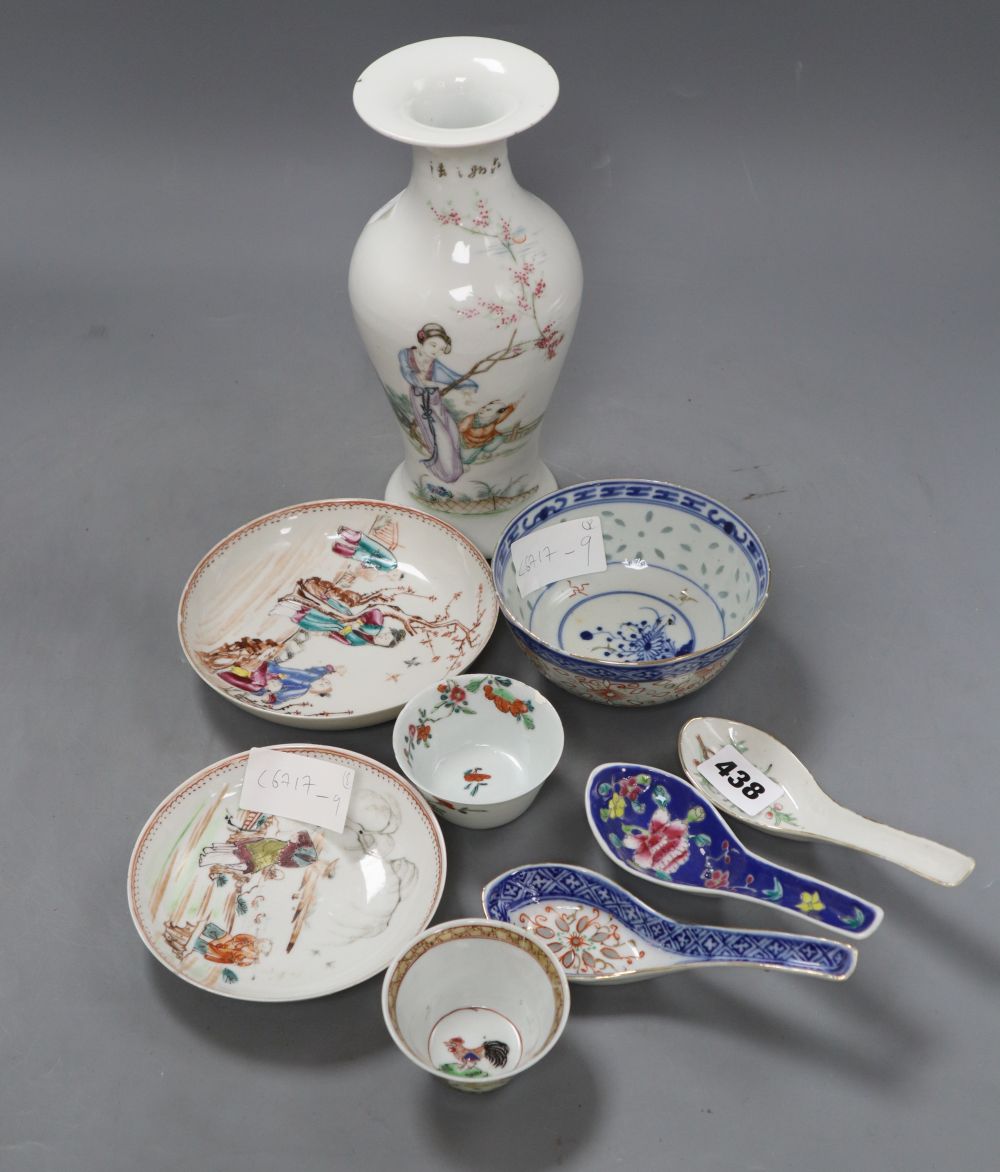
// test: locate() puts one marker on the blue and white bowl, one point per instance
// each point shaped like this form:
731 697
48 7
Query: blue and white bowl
685 579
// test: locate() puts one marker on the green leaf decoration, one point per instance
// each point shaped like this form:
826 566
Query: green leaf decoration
604 789
241 906
774 893
649 516
685 547
637 806
854 920
456 1071
615 841
503 681
229 976
701 840
604 814
661 796
475 685
527 722
221 881
634 829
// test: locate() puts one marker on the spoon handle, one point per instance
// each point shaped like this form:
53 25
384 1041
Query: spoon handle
924 857
696 945
806 896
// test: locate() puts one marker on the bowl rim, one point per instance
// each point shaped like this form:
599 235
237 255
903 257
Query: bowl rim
319 721
626 665
493 803
530 945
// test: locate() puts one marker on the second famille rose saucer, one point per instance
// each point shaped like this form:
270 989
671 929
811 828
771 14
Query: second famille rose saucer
262 907
333 614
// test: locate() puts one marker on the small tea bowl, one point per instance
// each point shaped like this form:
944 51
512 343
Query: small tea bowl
474 1002
685 578
486 771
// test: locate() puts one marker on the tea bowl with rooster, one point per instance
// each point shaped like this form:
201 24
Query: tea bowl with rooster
475 1002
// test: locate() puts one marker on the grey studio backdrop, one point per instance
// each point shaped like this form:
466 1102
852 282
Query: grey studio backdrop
788 219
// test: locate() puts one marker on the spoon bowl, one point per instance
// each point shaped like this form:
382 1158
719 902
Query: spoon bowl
659 827
600 933
805 810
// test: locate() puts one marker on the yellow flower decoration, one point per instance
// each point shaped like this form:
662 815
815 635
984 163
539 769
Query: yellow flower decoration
616 806
810 902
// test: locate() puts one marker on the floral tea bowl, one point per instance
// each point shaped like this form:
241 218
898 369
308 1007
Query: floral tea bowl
660 586
475 1002
482 772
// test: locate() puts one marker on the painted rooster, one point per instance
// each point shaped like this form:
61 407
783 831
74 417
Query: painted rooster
495 1053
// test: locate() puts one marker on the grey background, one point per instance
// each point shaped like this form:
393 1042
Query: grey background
788 219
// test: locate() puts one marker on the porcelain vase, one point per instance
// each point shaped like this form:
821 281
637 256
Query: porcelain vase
465 287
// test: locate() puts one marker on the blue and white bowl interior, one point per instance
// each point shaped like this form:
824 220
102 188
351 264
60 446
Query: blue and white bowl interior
684 574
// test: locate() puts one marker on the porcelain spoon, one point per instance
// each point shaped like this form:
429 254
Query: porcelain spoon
658 826
601 933
806 811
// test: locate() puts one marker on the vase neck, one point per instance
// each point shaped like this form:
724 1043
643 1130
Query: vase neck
457 177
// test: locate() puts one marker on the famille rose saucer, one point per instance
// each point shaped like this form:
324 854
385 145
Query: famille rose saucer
265 908
333 614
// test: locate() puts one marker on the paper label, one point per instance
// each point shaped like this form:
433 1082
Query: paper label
290 785
743 784
558 551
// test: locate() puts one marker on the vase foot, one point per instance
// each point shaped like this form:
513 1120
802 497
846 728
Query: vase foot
483 529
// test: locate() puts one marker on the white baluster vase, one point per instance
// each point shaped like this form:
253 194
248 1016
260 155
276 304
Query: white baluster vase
465 287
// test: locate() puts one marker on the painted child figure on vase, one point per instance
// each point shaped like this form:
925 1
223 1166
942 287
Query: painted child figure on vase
429 381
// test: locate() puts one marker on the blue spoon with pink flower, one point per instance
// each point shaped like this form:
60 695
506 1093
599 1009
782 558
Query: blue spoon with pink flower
658 826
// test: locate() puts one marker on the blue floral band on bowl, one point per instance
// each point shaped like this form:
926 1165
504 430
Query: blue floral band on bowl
685 579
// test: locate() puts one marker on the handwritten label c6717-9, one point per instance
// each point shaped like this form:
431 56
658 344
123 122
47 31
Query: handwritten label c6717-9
558 551
291 785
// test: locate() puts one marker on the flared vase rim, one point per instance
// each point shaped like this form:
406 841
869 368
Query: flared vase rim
455 92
